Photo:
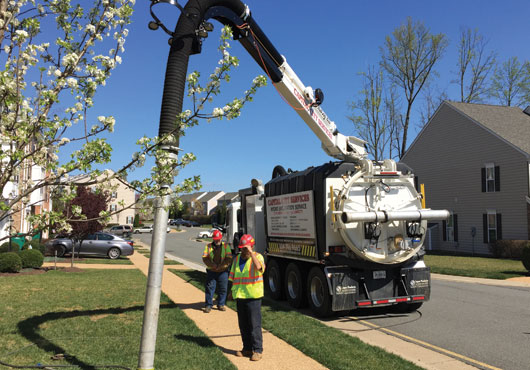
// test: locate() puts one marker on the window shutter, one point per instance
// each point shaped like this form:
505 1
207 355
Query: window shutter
444 230
455 227
483 172
497 179
485 227
499 226
416 183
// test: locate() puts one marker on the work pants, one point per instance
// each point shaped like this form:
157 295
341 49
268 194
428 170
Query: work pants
213 280
249 318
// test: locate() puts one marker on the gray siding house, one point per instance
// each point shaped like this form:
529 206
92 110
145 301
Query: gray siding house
474 161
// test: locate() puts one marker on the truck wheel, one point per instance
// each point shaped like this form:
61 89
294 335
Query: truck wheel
294 286
274 279
318 293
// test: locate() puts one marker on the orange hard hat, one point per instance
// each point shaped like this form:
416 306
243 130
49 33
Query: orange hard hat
217 235
245 240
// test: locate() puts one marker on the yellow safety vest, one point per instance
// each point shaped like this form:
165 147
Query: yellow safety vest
249 282
208 251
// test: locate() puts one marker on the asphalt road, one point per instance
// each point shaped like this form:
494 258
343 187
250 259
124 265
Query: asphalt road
480 323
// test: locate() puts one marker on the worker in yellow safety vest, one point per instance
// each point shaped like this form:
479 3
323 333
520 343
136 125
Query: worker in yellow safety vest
217 257
246 276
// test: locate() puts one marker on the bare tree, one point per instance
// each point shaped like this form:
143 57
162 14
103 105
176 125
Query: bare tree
433 97
409 56
511 82
395 121
474 65
370 125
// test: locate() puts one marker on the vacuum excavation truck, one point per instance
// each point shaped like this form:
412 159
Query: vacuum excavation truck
340 236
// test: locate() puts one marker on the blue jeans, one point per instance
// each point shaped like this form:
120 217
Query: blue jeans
249 319
212 280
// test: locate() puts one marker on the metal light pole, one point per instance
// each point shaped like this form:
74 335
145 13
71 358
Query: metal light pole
154 278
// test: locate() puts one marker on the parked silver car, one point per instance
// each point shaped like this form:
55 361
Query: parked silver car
97 244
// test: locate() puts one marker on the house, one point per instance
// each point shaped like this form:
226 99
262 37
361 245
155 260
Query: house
122 198
190 202
201 203
209 202
36 203
474 160
227 198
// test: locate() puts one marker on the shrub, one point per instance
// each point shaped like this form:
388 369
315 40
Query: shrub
31 258
4 247
508 248
10 262
526 256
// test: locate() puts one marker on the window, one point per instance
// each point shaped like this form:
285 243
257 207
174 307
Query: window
105 237
492 224
450 229
490 178
114 195
113 207
130 219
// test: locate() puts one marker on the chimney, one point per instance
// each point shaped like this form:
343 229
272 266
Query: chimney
527 110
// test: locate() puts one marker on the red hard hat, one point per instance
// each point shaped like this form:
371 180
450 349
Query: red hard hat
217 235
245 240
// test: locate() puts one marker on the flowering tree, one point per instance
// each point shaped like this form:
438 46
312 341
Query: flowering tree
55 54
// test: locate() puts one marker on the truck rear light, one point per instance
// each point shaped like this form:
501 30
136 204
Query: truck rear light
336 249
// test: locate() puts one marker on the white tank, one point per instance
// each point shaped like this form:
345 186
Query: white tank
381 217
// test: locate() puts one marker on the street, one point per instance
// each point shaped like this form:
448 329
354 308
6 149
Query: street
480 323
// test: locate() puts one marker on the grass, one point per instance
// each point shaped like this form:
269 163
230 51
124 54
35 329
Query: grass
331 347
490 268
95 318
102 260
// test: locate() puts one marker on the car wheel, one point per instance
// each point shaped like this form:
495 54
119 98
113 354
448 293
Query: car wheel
294 286
318 293
114 253
136 232
60 249
204 236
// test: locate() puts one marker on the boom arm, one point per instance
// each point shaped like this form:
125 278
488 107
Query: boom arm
186 40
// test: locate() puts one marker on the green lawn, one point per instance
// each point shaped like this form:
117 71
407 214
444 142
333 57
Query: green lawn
102 260
331 347
95 318
490 268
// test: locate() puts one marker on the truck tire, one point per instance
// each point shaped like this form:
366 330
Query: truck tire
294 286
318 293
273 279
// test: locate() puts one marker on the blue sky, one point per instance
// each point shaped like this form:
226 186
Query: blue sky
326 43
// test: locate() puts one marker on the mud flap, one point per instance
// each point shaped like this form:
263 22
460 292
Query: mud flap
344 289
418 281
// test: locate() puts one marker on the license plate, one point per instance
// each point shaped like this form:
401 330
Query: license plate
380 274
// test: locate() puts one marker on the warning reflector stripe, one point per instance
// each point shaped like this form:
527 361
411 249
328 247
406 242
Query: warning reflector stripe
418 298
402 299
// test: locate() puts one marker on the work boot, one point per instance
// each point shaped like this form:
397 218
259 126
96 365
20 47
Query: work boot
221 308
255 356
207 309
244 353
